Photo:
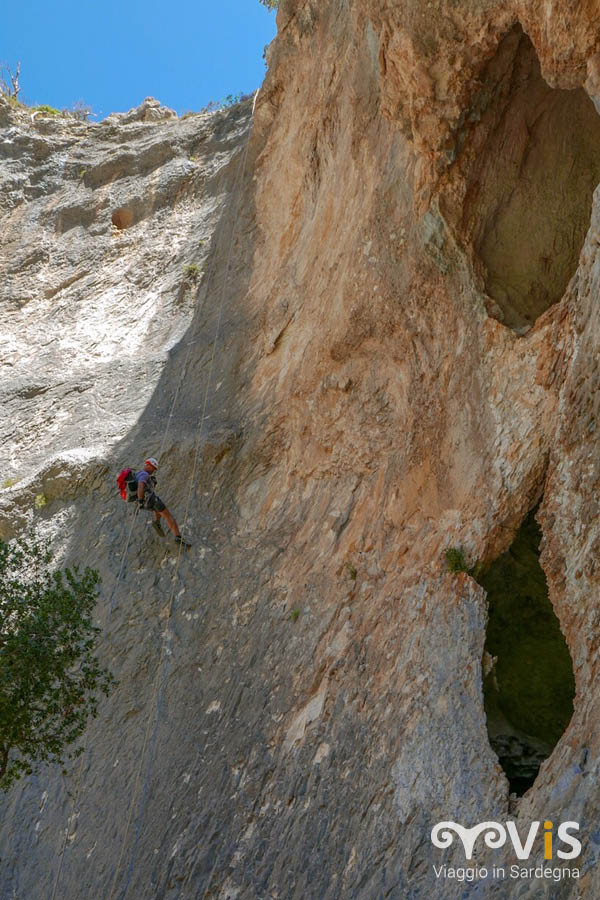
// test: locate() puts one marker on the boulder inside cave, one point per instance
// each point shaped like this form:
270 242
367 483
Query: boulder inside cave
532 170
528 674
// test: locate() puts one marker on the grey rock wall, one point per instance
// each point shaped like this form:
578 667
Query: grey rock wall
115 350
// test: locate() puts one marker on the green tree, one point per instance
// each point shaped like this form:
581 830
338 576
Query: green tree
49 676
270 4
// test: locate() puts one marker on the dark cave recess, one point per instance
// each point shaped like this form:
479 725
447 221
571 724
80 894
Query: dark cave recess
528 673
530 173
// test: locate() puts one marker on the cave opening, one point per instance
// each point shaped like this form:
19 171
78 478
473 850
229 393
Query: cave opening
528 681
532 164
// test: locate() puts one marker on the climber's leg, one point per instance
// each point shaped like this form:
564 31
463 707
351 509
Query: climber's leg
170 521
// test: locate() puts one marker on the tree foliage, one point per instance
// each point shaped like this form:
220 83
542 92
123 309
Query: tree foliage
270 4
49 676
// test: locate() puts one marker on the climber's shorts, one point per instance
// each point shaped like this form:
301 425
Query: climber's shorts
155 503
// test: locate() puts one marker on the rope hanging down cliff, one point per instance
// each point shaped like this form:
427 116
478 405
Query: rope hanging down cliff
168 634
110 606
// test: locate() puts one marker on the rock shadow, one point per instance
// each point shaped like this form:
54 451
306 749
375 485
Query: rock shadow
530 157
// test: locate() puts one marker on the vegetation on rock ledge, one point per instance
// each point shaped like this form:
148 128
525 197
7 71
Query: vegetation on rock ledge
456 562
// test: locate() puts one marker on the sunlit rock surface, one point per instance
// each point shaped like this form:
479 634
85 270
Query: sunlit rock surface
365 376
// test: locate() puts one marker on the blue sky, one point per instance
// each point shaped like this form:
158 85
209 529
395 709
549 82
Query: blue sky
113 53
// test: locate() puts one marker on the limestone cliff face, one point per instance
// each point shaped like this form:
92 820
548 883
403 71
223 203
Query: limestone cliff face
101 224
392 351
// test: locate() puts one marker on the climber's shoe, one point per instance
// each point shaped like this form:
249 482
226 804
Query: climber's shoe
158 529
184 544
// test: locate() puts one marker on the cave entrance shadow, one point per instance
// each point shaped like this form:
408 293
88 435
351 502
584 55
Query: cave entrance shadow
528 681
530 158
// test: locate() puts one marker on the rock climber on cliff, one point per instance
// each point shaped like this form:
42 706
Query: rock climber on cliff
148 499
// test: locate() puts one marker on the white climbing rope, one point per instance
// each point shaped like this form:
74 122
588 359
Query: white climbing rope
83 755
198 312
167 638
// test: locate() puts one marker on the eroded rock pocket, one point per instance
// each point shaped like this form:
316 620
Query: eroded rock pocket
532 157
528 674
123 218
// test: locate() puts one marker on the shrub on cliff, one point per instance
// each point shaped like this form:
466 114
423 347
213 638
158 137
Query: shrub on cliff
46 110
9 81
456 562
49 676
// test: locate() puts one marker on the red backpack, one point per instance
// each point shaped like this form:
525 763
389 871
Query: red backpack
127 484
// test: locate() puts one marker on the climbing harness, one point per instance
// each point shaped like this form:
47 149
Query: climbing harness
159 685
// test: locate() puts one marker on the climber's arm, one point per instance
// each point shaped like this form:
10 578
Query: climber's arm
141 488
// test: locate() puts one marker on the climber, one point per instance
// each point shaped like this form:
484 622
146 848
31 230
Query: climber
147 499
